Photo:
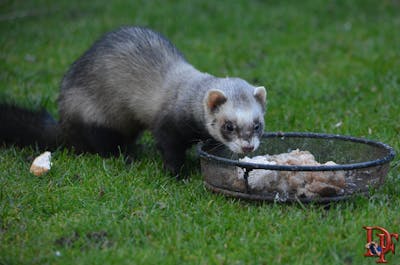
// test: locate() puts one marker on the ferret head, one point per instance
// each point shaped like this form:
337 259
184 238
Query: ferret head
234 113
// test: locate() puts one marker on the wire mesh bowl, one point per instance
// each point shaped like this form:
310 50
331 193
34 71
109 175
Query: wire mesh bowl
360 165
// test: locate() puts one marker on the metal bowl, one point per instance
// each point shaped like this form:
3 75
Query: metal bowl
365 164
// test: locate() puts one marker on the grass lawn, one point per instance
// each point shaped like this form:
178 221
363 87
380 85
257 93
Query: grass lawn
329 66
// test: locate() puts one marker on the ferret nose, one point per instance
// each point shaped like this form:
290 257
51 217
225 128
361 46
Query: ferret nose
247 148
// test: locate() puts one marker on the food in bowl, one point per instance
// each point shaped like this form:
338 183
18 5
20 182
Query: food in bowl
303 183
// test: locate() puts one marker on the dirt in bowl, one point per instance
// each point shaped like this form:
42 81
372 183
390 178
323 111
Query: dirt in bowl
307 184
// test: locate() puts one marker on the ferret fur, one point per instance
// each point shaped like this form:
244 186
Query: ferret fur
134 79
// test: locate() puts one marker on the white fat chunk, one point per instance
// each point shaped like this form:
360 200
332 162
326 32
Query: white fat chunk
41 164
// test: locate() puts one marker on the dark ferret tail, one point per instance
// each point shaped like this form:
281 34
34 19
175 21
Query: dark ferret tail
22 127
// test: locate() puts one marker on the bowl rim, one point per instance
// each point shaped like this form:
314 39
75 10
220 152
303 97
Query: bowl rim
251 166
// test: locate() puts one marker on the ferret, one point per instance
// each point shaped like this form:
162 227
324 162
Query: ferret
134 79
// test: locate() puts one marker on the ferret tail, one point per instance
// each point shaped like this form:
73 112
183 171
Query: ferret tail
23 127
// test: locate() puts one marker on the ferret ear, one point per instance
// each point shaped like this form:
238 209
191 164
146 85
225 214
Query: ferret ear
261 94
214 99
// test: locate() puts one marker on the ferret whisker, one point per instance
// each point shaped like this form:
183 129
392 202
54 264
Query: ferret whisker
216 146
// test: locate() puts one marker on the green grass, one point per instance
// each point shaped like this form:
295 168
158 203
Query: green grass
324 62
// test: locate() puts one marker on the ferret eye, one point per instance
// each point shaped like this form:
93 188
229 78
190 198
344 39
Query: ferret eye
257 126
229 127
